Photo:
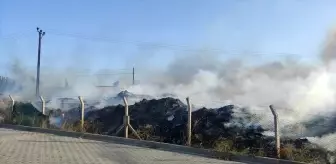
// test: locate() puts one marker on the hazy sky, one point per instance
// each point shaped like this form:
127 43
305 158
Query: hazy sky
112 34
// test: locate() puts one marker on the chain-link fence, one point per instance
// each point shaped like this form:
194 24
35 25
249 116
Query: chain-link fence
258 131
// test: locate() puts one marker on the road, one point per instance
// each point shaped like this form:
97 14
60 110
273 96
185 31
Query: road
18 147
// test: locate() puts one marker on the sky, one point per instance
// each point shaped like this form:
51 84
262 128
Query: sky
106 34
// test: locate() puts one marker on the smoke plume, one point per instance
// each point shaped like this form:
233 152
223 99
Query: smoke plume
299 91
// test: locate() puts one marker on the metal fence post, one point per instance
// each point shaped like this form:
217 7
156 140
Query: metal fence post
11 108
126 118
127 123
82 112
42 105
189 122
276 131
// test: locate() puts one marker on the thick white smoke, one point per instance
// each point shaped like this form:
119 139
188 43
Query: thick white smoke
299 91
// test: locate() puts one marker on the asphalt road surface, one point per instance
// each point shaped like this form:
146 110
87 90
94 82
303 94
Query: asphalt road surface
18 147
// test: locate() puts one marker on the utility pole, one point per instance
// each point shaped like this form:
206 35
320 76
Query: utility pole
133 76
41 34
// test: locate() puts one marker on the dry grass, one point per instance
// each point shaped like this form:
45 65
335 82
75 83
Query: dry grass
225 147
308 155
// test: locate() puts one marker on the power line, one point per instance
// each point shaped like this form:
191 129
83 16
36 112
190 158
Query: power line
110 40
104 74
164 45
16 36
160 45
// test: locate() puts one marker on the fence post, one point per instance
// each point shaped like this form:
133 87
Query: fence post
42 105
126 118
82 112
127 123
11 108
276 131
189 122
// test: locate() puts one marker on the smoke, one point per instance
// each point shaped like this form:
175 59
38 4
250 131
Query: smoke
328 54
299 91
327 141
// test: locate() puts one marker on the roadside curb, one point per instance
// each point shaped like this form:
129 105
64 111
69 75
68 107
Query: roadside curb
152 145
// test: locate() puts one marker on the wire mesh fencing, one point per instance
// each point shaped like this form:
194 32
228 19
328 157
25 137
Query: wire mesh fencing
254 130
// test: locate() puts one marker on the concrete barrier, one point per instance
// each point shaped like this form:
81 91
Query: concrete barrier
153 145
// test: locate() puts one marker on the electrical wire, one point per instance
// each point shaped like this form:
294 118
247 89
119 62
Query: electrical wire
157 45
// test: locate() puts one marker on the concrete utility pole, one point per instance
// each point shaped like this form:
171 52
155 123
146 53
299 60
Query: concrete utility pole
41 34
